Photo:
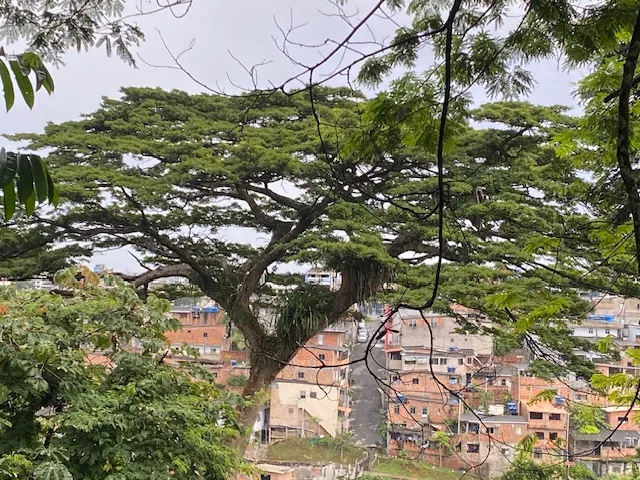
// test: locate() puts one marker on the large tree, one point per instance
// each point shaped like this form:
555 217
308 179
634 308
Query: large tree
169 174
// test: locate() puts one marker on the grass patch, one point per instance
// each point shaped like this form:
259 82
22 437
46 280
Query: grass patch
414 469
304 450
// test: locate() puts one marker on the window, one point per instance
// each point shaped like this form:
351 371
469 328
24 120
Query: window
537 453
453 380
590 331
300 374
433 361
412 322
461 361
607 332
535 415
396 409
425 411
395 378
444 361
322 356
580 397
410 362
473 448
554 416
320 339
215 374
303 394
490 430
469 360
412 410
623 419
415 381
553 436
313 394
205 334
503 382
540 435
434 322
518 431
396 356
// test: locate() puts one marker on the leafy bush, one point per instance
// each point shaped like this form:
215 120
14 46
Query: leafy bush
237 381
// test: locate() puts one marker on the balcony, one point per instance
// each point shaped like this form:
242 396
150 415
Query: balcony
394 364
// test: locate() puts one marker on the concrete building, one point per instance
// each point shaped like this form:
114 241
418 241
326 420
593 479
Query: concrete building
328 278
606 451
310 395
413 332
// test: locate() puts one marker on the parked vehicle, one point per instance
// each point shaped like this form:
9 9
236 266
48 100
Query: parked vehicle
362 326
362 336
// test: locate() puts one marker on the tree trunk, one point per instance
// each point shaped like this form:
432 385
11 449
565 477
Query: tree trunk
623 149
256 391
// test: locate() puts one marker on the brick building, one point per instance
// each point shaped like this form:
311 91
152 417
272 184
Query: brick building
310 396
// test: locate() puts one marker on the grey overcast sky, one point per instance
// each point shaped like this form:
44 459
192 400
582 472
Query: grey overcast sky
244 28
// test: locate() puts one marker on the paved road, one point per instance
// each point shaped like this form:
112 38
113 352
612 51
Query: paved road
367 409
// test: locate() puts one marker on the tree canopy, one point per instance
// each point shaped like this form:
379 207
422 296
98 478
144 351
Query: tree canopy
84 391
175 175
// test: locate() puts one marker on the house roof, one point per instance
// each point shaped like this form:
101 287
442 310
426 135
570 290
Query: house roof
618 435
326 347
470 417
614 408
544 407
270 468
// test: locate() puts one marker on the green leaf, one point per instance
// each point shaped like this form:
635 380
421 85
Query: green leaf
43 77
24 84
48 81
548 395
502 300
7 85
52 471
30 203
40 177
8 167
25 178
604 344
536 243
9 201
54 195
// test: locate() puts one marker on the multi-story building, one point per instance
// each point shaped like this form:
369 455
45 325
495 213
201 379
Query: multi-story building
489 440
327 278
606 451
310 396
412 331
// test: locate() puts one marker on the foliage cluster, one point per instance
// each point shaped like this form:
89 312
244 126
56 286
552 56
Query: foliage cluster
85 393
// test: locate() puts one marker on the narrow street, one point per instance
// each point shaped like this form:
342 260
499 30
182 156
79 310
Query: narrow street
367 409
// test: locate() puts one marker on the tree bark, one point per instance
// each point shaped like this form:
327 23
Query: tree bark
256 393
622 154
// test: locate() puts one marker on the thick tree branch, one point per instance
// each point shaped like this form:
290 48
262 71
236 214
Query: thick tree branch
623 154
160 272
269 222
